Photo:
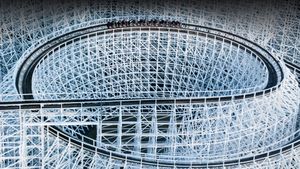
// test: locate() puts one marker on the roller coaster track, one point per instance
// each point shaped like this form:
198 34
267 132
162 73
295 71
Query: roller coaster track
24 86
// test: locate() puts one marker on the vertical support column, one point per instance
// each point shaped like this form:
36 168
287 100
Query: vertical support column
99 129
172 131
22 149
31 152
152 149
138 130
119 138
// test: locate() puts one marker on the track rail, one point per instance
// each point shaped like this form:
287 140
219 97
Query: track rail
77 103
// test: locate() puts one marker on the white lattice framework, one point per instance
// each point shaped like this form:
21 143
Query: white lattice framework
150 97
148 63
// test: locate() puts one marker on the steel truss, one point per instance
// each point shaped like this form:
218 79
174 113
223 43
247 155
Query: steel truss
118 104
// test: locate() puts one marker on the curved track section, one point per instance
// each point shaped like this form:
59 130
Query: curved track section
197 50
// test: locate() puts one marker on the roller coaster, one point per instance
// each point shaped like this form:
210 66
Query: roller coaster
135 92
